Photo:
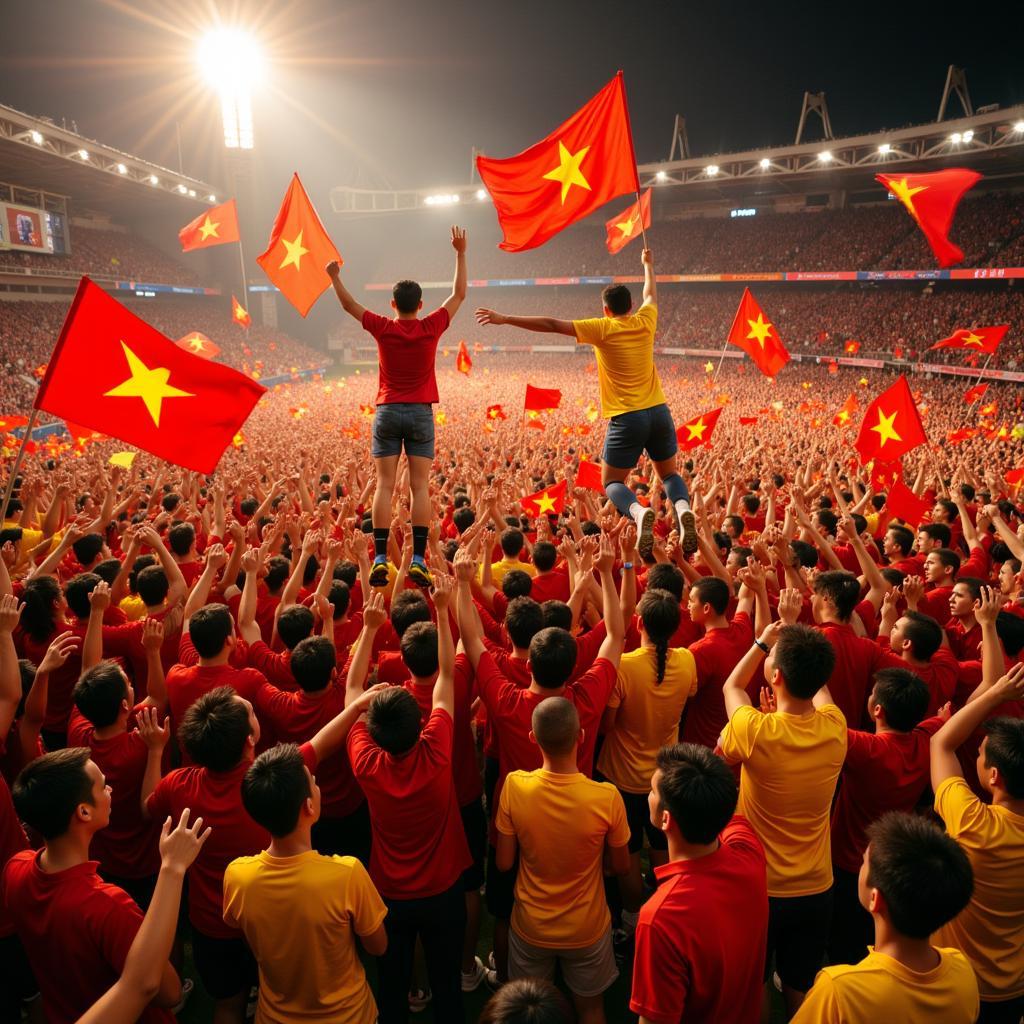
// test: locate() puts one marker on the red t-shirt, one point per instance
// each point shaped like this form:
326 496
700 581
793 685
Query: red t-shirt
882 772
391 668
187 683
217 797
552 585
62 680
935 603
857 661
419 845
517 671
295 717
964 643
12 841
128 846
700 940
941 673
406 351
276 666
76 930
717 653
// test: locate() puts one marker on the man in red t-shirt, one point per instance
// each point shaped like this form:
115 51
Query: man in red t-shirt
406 347
700 940
76 929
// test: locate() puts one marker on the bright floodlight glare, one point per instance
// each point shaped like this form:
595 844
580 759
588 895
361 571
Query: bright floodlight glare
825 157
765 163
481 194
1019 126
955 138
660 176
968 135
212 199
232 63
121 169
154 180
712 170
183 189
37 138
84 154
884 148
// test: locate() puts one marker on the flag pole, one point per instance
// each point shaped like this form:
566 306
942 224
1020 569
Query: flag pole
9 489
984 369
241 261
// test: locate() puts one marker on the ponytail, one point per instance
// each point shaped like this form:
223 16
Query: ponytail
38 617
661 649
660 614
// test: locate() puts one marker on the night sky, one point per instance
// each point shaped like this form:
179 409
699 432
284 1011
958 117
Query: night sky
398 91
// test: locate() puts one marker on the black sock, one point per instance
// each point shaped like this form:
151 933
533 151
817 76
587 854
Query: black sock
380 541
419 540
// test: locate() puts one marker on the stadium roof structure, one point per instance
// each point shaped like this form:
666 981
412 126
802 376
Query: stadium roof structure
39 156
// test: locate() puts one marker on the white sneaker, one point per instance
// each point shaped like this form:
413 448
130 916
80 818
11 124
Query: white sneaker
471 980
418 999
644 519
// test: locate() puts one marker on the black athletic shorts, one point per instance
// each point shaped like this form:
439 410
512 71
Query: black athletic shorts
474 824
225 966
798 931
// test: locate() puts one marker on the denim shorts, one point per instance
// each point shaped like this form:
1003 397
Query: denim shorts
630 433
403 423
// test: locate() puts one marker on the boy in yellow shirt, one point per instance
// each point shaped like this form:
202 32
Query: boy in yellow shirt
913 880
561 824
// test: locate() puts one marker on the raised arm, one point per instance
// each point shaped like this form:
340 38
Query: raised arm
177 588
333 735
458 295
374 616
444 687
10 674
152 641
349 304
470 631
611 646
650 281
216 556
538 324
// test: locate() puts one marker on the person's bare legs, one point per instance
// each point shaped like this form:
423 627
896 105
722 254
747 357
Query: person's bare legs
420 511
614 480
387 470
589 1009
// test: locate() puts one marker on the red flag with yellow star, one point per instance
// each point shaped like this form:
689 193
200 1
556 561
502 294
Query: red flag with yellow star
892 426
757 336
977 339
972 395
589 476
217 226
550 501
697 431
113 373
496 412
842 418
630 224
931 199
298 250
462 361
580 166
239 313
199 345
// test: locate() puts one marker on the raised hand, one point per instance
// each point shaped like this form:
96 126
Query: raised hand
374 612
442 590
790 603
180 847
10 613
61 648
99 597
490 316
153 634
153 734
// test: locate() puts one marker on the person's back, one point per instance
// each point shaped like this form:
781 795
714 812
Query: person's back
406 349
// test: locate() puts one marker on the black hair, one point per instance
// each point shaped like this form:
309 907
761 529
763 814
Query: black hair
841 588
617 298
39 618
12 534
736 522
407 295
340 597
1004 749
545 554
949 507
512 541
713 591
936 531
88 547
419 649
949 559
698 790
973 585
346 572
523 620
665 576
99 692
140 563
214 730
805 658
152 585
49 788
924 634
108 570
170 501
751 502
828 521
556 613
463 519
516 583
274 789
552 657
406 608
180 538
393 720
902 537
247 506
313 661
659 612
209 629
806 553
903 696
278 571
77 591
295 623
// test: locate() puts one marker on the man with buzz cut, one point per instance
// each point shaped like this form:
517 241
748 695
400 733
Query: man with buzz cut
406 347
631 399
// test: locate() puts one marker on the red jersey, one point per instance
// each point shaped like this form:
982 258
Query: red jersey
76 930
857 661
406 352
551 586
935 602
12 841
419 846
276 666
700 940
941 673
187 683
964 643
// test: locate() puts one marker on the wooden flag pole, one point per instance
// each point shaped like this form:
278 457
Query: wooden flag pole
245 285
9 489
640 210
983 369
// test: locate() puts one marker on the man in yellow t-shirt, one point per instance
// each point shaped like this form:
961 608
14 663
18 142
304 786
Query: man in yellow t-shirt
301 912
990 930
561 824
791 760
631 399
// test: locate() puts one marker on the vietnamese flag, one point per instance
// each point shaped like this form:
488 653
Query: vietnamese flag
496 412
747 421
852 348
579 167
884 474
239 314
114 373
217 226
589 476
931 199
842 418
550 501
901 501
977 339
542 399
989 410
757 336
462 361
199 345
892 425
972 395
298 250
697 431
12 422
629 224
1015 477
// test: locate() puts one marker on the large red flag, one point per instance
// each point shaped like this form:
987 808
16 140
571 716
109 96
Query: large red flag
931 199
892 425
216 226
113 373
901 501
630 224
542 399
298 250
462 361
977 339
757 336
549 501
580 166
589 476
972 395
697 431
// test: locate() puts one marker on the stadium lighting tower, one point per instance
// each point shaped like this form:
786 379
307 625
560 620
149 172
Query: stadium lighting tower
1019 126
232 63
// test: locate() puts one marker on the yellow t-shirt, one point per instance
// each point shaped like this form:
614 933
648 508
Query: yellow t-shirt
790 766
506 565
134 607
990 929
881 989
300 916
561 823
624 346
648 717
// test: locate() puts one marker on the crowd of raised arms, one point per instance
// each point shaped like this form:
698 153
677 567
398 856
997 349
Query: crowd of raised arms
728 727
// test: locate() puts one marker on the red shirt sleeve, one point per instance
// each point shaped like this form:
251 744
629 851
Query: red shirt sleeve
308 756
374 323
489 681
437 322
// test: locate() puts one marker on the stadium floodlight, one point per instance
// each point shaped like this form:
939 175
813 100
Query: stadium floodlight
183 189
211 199
765 163
1019 126
84 154
712 170
825 156
191 193
968 135
154 180
481 194
36 137
884 148
232 63
121 169
956 138
660 176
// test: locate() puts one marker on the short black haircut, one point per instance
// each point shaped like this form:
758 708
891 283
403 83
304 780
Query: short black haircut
274 789
737 524
523 620
419 649
902 537
214 730
170 501
140 563
278 571
841 588
512 541
924 634
516 583
463 519
556 613
393 720
698 789
12 534
313 661
340 597
88 547
552 657
665 576
805 657
99 692
618 299
545 554
49 788
180 538
923 874
973 585
1004 749
295 623
713 591
406 608
77 591
209 629
108 570
828 521
751 503
805 552
903 696
39 617
407 295
152 585
936 531
347 572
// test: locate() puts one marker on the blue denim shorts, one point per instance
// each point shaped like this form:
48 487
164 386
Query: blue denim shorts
403 423
631 433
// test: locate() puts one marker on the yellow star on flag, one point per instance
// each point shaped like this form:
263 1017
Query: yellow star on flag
697 429
196 344
905 194
974 339
626 227
296 250
759 329
545 504
843 416
209 227
148 384
884 429
239 312
568 170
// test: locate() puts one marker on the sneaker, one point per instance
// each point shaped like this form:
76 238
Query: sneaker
645 532
418 999
420 575
471 979
688 532
379 574
490 961
491 979
186 990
